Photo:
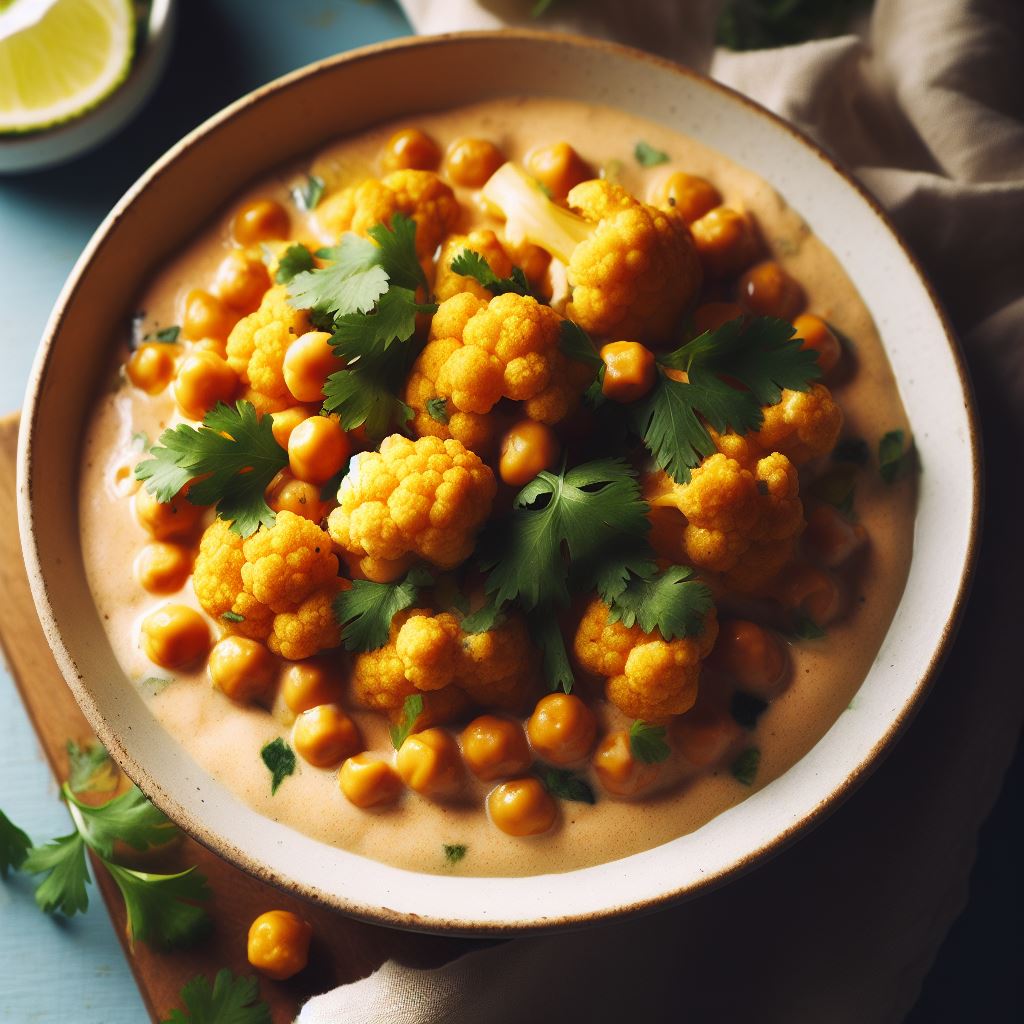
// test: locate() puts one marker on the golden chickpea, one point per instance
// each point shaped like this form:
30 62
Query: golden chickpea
308 683
725 241
284 422
317 449
527 449
522 807
175 636
767 290
429 763
366 781
260 221
819 337
690 196
308 363
619 771
214 345
559 168
562 729
241 669
711 315
495 748
166 519
205 316
410 149
286 494
812 591
278 944
203 379
470 162
151 366
324 736
241 280
704 736
754 656
629 370
162 568
830 538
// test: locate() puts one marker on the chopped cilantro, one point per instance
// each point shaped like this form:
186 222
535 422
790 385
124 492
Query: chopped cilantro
165 336
280 761
90 769
155 684
232 617
307 195
296 259
744 768
366 609
851 449
565 785
673 602
470 263
411 711
14 845
229 1000
746 709
647 742
235 453
805 628
454 852
647 156
437 409
895 463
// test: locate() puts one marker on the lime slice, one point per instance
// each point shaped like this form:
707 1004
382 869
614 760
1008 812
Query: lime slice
59 59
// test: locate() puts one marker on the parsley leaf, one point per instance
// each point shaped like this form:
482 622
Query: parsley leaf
236 468
746 709
229 1000
673 602
307 195
411 711
647 742
566 786
470 263
437 409
366 609
744 768
90 769
296 259
14 845
162 909
454 852
647 156
893 462
280 761
130 818
63 862
165 336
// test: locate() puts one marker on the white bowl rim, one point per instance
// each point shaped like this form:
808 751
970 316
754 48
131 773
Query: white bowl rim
466 924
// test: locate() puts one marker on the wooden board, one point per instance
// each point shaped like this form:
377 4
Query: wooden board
343 950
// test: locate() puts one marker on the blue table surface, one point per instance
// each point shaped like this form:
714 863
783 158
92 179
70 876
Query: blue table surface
53 970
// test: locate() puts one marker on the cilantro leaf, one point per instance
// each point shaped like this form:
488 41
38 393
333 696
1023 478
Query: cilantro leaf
232 617
162 909
351 283
393 319
411 711
14 845
647 156
398 257
454 852
547 635
805 628
90 769
744 768
365 610
746 709
470 263
229 1000
647 742
836 486
576 344
295 260
280 761
165 336
673 602
155 684
129 818
566 786
365 399
63 862
895 463
234 451
307 195
483 620
437 409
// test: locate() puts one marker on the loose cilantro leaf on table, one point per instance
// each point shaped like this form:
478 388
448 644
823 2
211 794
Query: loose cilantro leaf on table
673 602
162 909
90 769
470 263
647 742
647 156
744 768
229 1000
14 845
411 711
63 862
280 761
566 786
454 852
295 260
308 195
895 462
129 818
235 453
437 409
366 609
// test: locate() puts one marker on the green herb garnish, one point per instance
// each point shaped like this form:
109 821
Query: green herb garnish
308 195
366 609
647 742
895 462
229 1000
744 768
805 628
90 769
295 260
232 617
566 786
470 263
647 156
280 761
437 410
411 711
165 336
14 845
454 852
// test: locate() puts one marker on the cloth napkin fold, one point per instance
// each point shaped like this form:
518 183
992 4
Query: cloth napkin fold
928 111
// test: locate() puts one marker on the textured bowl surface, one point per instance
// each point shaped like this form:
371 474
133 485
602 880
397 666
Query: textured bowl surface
299 113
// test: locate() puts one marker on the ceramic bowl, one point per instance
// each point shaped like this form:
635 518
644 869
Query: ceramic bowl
293 116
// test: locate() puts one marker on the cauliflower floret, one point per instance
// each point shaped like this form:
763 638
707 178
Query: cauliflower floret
499 668
281 581
257 345
803 425
647 676
425 498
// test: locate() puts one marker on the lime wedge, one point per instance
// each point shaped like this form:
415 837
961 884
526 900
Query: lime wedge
59 58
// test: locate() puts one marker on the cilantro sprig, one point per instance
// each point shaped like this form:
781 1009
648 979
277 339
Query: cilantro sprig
280 761
647 155
14 845
366 609
229 1000
469 263
647 742
412 708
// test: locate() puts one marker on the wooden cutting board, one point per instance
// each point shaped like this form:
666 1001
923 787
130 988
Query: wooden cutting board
343 950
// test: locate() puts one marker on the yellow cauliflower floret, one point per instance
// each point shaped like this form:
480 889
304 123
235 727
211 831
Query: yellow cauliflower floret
312 627
647 676
483 241
429 646
803 425
257 344
499 668
425 498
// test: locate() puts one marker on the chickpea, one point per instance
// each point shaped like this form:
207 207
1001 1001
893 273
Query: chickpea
410 149
241 669
767 290
214 345
286 494
162 568
203 379
830 538
429 763
308 363
205 316
278 944
470 162
495 748
367 781
527 449
317 449
562 728
166 519
522 807
812 591
308 683
151 366
629 370
704 736
711 315
241 280
559 168
754 656
725 241
260 221
690 196
324 736
819 337
284 422
619 771
175 636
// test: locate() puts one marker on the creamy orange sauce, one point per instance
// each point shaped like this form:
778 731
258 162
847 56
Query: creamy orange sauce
226 738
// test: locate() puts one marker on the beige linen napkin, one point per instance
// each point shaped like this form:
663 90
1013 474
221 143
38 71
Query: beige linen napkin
842 927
